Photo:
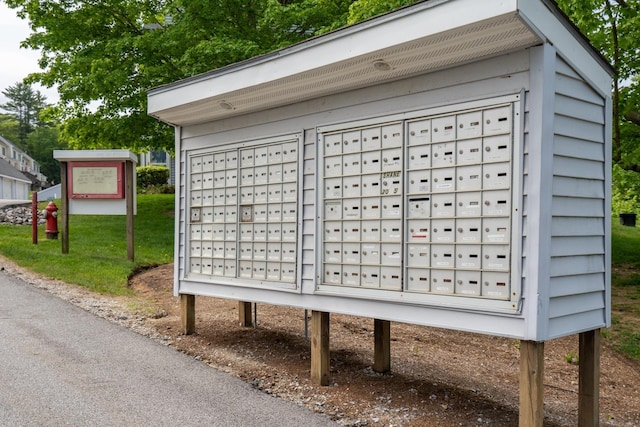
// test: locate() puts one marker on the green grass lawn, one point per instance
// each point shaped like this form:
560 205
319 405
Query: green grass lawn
97 257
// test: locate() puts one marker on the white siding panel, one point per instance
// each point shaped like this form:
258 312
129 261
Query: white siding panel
566 246
582 129
577 187
572 107
572 226
576 265
579 168
576 88
571 206
563 306
579 149
573 285
583 321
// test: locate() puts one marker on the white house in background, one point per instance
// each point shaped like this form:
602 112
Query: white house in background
21 161
14 185
160 158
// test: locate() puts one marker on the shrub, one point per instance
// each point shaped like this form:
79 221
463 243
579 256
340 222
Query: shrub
155 176
625 195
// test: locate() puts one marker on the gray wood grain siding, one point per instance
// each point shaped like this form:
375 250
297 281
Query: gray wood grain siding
577 269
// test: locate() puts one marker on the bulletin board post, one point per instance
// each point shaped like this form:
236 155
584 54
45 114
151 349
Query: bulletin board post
98 182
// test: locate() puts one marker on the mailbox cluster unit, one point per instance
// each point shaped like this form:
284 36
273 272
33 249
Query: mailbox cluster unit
445 164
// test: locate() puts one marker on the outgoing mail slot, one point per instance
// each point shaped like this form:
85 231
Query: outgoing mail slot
351 253
370 276
273 271
370 185
351 231
332 231
497 149
391 278
442 256
261 175
443 205
495 257
289 252
419 181
261 156
443 231
289 192
332 274
468 231
442 281
274 232
246 251
333 144
370 253
420 157
371 230
371 208
246 157
351 275
274 193
371 162
443 154
420 207
443 129
350 209
392 159
419 230
333 210
290 152
333 166
496 230
495 285
469 204
497 120
260 270
496 176
496 203
468 283
390 231
351 142
420 132
274 252
371 138
391 254
469 125
351 164
392 135
275 153
468 257
392 207
418 280
469 178
246 269
419 255
333 188
351 186
443 180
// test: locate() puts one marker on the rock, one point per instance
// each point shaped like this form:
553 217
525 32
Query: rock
18 216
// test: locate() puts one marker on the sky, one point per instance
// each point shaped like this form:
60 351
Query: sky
16 63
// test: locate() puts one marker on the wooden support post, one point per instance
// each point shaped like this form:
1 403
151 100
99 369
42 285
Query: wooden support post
129 174
188 313
244 312
64 208
382 348
531 383
320 348
589 379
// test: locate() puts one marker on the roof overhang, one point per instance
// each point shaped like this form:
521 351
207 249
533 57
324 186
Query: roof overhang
418 39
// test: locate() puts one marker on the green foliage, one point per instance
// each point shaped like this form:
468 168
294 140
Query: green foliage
97 257
148 176
364 9
25 106
9 127
625 197
41 143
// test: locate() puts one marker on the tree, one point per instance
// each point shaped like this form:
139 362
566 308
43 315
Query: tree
105 56
613 27
9 127
42 141
25 105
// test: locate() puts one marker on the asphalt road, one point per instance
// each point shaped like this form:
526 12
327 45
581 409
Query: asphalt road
60 365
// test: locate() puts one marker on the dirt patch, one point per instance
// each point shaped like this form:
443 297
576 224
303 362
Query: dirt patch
438 378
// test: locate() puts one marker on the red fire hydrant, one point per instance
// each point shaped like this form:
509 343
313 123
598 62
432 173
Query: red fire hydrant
51 214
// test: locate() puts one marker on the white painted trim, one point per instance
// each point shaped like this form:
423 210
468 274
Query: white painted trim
178 212
607 206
